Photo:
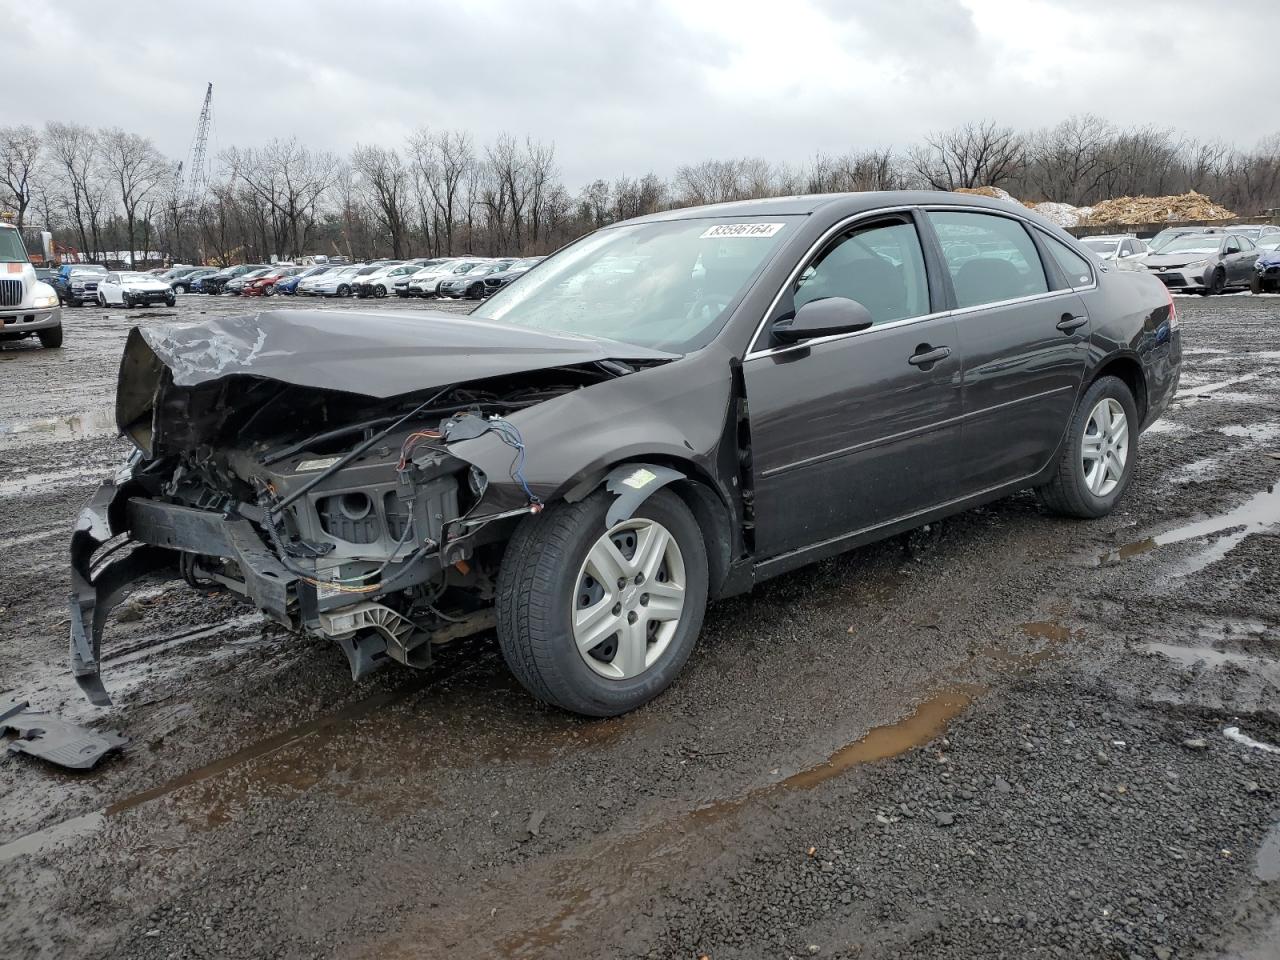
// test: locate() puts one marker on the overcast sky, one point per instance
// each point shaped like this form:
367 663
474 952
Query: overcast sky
626 87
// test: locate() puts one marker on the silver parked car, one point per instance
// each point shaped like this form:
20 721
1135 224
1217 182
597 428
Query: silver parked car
1206 263
1122 249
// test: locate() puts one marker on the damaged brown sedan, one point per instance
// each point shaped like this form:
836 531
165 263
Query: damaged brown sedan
662 413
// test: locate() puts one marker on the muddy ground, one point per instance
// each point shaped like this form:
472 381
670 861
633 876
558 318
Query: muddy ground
1002 737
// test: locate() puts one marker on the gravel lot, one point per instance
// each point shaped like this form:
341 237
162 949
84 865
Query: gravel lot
1000 737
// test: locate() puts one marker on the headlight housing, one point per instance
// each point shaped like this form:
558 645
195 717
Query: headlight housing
1198 265
45 301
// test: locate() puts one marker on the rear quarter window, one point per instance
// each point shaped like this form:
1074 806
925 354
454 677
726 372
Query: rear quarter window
1073 266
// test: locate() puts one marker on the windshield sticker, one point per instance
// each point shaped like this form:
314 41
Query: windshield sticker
722 230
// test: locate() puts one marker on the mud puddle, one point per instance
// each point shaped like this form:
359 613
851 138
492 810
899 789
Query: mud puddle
51 480
1205 390
1259 513
619 868
80 426
1266 865
369 742
1254 432
1211 657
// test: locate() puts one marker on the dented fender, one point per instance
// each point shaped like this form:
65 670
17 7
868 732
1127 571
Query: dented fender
632 484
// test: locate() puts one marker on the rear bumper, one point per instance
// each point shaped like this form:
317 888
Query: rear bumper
17 321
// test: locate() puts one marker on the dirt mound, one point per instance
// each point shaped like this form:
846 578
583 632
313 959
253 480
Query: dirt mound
1063 214
995 192
1187 206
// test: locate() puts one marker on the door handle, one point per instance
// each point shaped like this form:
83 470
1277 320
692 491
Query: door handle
926 355
1069 323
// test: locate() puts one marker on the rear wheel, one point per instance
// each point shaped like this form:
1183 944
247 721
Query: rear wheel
1255 283
600 620
1101 453
51 338
344 291
170 300
475 291
379 291
102 301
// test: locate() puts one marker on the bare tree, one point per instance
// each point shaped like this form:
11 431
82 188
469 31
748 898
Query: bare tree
137 171
972 155
1069 162
290 180
440 164
384 175
20 154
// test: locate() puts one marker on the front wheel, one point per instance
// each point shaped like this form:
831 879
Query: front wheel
1215 284
476 291
1101 453
269 290
379 292
599 620
102 301
180 288
344 291
170 300
51 338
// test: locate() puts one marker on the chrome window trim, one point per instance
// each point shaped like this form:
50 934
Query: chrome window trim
755 353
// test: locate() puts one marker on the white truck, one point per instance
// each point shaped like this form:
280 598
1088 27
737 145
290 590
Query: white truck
28 307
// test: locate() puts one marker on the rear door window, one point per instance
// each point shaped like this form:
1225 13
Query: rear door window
881 266
1006 266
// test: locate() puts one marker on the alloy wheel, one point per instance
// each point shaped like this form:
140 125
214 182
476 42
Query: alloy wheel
1105 447
629 599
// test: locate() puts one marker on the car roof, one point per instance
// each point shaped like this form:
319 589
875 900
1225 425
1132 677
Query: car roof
839 205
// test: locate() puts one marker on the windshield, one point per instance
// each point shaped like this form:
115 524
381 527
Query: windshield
1253 233
477 271
1191 244
12 249
1103 247
136 276
665 285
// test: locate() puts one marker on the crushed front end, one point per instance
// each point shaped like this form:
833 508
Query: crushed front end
337 514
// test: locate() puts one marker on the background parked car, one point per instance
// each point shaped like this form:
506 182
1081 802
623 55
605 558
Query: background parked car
500 278
335 283
132 289
402 282
265 285
1205 263
79 283
289 285
471 283
1254 231
235 286
382 281
187 282
426 283
1124 250
1156 243
214 283
1266 269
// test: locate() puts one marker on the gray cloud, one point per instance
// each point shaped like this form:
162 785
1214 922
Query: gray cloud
630 86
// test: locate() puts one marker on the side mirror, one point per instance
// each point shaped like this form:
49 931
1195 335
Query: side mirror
822 318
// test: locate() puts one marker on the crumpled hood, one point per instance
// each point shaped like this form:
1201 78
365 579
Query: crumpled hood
372 354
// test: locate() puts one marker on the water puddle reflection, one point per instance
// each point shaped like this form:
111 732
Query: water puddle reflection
1259 513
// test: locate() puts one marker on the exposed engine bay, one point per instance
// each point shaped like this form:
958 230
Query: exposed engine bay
346 516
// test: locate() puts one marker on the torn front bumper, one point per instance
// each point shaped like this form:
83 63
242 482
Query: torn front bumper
157 530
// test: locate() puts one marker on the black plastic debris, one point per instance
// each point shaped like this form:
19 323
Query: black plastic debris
43 735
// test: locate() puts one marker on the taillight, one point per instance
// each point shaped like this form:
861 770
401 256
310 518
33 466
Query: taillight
1173 311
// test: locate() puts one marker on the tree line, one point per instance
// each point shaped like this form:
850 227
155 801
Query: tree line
440 192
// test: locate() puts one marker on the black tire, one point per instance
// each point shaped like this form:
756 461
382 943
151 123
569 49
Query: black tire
1068 493
536 587
475 291
171 301
269 290
379 292
102 301
127 301
1255 283
180 288
344 291
1217 283
51 338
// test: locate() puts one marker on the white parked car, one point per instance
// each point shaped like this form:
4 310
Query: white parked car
1123 249
335 283
383 280
134 290
426 282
